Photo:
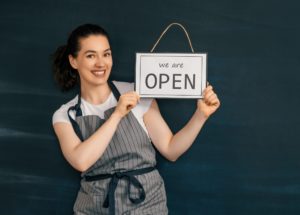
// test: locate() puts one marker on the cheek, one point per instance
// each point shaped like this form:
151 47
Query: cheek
109 62
86 63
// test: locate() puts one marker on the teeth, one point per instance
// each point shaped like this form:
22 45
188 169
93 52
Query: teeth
98 72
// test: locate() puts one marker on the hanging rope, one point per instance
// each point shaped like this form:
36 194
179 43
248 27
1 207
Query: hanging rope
165 31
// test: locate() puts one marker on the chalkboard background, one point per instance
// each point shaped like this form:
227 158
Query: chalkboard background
246 159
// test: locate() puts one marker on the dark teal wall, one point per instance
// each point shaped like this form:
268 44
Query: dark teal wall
246 159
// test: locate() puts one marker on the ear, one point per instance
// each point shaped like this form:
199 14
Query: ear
73 61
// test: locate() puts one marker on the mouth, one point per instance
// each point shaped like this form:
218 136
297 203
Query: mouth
99 73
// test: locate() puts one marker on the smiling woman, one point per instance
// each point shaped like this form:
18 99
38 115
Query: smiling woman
93 61
106 132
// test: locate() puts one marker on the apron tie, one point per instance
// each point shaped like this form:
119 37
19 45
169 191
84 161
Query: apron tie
115 177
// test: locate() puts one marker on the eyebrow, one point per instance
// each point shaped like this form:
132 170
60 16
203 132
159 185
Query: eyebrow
95 51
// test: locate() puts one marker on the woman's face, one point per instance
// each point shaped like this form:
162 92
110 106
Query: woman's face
93 61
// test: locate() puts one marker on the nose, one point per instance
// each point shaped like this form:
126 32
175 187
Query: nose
99 62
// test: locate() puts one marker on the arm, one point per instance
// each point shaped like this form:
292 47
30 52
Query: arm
173 146
82 155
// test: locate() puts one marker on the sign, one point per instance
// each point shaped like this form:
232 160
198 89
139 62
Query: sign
170 75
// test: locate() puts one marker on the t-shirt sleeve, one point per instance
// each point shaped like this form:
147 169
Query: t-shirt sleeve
145 104
61 115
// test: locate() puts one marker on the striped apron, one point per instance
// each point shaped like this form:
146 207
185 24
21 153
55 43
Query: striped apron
123 180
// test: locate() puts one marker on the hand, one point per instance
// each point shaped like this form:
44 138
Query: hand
126 102
210 102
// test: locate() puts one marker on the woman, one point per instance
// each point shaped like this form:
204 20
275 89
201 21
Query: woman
106 131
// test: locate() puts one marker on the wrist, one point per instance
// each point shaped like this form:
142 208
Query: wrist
116 115
201 116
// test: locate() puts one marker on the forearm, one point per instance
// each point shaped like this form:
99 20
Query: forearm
173 146
90 150
185 137
83 154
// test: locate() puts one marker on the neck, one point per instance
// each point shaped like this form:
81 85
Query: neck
95 94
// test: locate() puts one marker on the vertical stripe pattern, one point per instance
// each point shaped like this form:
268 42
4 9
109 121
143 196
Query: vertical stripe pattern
129 149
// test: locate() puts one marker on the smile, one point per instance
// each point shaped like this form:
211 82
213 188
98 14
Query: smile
98 73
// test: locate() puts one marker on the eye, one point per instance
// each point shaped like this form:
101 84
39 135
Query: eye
90 56
107 54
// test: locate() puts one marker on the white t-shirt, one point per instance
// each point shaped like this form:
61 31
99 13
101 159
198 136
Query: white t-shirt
61 115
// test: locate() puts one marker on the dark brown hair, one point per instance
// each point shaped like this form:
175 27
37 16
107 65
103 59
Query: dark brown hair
64 74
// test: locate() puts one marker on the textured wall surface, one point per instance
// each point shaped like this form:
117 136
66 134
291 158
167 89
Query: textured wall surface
246 159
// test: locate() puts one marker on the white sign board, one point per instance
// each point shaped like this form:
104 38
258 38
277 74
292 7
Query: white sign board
170 75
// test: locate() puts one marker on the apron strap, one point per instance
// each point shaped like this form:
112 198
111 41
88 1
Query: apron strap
73 122
77 106
114 90
78 111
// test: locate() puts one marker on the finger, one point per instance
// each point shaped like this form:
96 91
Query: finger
207 89
131 101
133 97
212 97
133 94
209 94
129 98
136 93
137 96
214 101
130 106
206 101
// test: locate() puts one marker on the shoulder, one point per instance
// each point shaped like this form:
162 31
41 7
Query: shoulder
61 114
